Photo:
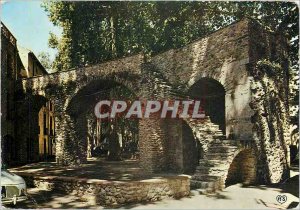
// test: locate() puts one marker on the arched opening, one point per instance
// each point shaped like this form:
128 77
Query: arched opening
212 96
112 138
294 154
294 148
242 169
192 149
46 135
29 130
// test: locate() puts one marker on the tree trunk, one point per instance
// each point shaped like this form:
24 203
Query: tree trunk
114 149
113 36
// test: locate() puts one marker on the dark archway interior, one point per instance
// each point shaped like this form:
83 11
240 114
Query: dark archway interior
294 154
112 138
192 149
212 96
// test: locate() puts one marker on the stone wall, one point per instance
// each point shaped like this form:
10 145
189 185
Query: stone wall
116 193
118 70
269 102
8 75
222 56
192 150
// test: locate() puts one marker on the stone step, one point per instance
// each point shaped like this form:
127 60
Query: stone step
211 162
219 137
222 150
206 191
226 142
218 156
206 178
203 184
215 171
217 146
203 171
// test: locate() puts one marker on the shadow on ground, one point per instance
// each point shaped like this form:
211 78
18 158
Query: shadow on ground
95 168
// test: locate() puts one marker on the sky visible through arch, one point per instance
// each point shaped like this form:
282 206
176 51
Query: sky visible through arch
29 23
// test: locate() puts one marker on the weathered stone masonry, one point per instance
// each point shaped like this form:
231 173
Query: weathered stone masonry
62 87
116 193
256 108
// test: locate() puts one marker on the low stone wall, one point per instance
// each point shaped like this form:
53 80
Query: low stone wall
115 193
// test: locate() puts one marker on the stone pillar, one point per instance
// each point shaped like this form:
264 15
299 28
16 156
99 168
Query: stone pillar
81 130
174 142
160 145
152 144
68 148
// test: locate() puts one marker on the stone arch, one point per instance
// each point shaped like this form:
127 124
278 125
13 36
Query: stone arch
62 87
216 77
242 168
80 111
212 95
127 79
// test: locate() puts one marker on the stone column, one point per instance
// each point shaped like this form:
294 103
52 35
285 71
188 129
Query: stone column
68 148
81 129
174 142
160 145
152 144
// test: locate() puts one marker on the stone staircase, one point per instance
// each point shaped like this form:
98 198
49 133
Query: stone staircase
205 132
210 174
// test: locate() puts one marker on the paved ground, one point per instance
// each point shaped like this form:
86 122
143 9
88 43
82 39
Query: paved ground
233 197
95 168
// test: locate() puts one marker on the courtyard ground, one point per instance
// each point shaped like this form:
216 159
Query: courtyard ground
233 197
95 168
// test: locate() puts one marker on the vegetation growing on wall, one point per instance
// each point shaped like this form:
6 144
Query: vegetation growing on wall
271 118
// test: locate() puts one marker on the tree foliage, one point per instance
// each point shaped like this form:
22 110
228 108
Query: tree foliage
45 60
94 32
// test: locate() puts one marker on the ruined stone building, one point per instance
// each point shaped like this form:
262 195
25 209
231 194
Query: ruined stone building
20 146
242 72
9 57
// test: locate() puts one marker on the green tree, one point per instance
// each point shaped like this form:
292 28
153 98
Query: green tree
94 32
45 60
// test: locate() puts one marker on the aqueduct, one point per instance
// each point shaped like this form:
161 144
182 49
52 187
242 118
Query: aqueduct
232 70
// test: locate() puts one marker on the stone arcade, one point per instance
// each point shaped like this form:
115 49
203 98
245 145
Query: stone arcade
242 73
